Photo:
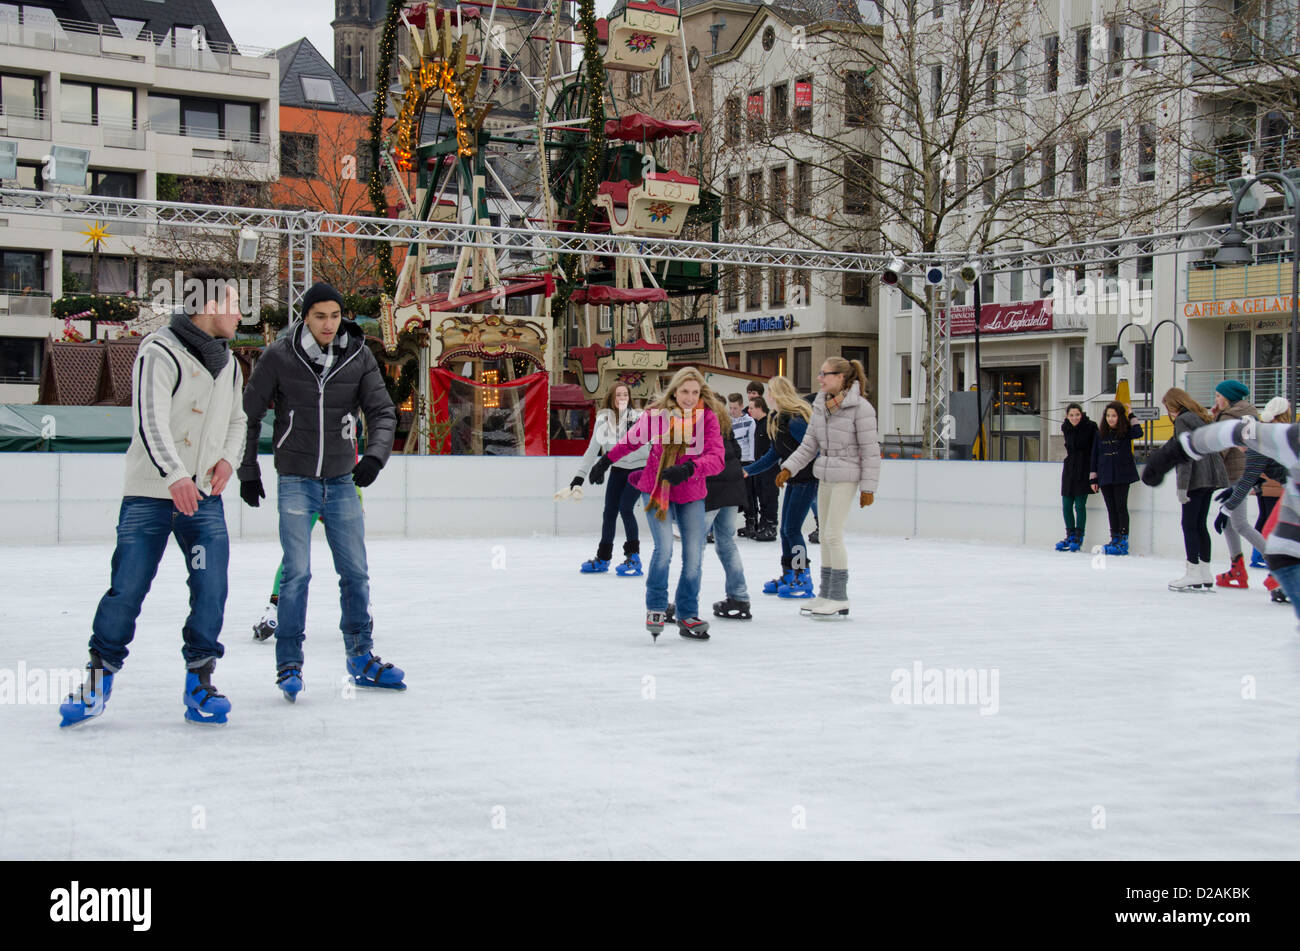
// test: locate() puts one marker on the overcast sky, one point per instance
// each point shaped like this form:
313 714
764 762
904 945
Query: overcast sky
276 23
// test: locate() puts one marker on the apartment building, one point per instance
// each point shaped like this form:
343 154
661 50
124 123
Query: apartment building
158 93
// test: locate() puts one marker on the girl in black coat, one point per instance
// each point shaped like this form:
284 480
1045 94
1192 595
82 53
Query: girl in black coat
1113 469
1076 483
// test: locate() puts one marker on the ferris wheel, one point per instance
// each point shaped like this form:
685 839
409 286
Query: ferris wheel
500 124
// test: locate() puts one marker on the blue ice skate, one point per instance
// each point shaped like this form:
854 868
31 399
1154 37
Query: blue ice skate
799 586
203 702
90 699
367 670
289 680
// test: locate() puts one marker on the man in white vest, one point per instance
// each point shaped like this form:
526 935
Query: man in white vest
189 429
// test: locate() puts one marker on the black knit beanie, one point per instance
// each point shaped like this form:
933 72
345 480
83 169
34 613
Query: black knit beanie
320 291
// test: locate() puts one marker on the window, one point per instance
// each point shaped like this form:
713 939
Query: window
1147 152
20 359
202 119
1143 370
165 114
116 274
241 122
733 361
20 96
208 118
1109 374
990 189
1115 44
733 118
1079 166
731 203
97 105
730 290
22 270
1017 172
664 77
1047 175
364 168
904 285
1114 166
856 288
1076 371
754 109
1150 40
1051 62
861 354
988 289
936 87
1017 281
803 103
776 278
937 11
990 78
1146 266
1110 270
1047 285
755 198
1082 50
768 363
904 376
802 287
778 193
803 381
31 175
780 114
634 89
298 156
318 89
857 185
1020 73
113 184
962 175
802 188
857 100
361 63
753 288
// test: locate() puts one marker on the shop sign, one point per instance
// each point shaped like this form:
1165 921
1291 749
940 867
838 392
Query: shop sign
803 93
1238 306
1025 317
687 338
755 325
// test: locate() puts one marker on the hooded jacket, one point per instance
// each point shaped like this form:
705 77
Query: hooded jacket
316 424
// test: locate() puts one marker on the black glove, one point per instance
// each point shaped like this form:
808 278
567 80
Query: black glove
1221 521
1224 495
1162 460
676 475
597 474
250 491
366 471
577 481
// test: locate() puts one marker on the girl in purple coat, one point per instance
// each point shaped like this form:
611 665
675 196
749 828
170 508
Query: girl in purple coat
685 439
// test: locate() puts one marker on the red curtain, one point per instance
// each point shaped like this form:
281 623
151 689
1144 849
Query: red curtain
506 410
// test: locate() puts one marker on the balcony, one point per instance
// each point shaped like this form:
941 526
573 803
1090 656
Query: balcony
25 124
112 133
24 303
240 146
1264 384
1207 282
1272 154
93 39
1268 40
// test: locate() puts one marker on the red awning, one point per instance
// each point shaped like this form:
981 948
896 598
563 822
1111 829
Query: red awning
639 127
604 294
652 8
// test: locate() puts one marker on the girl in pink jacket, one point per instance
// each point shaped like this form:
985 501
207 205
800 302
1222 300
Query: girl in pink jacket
681 428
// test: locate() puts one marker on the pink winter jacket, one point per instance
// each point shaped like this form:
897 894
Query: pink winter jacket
708 455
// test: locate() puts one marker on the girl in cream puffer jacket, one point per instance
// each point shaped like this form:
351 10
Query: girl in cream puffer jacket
844 448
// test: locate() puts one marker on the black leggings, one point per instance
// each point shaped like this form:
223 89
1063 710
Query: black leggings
620 499
1266 503
1116 496
1196 533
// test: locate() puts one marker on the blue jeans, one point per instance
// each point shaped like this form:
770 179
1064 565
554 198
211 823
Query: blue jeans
799 497
143 527
722 522
689 517
1289 579
336 503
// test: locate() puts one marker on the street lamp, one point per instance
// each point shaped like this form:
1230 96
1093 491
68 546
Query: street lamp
1180 351
1233 250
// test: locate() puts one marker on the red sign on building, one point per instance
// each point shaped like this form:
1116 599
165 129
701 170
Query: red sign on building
1025 317
803 93
756 105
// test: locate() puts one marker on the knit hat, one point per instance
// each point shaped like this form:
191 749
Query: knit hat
1232 390
1275 407
320 291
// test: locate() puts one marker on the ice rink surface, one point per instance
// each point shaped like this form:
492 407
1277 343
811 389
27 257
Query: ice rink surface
1128 722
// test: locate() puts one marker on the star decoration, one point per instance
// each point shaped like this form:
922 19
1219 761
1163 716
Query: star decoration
95 233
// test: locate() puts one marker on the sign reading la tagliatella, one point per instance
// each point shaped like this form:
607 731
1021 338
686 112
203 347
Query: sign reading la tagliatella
1025 317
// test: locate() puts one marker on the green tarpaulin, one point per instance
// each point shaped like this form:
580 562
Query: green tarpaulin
29 428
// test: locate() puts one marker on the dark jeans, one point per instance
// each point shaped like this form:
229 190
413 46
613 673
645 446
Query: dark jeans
1266 503
620 499
762 493
1196 533
799 497
1075 510
1116 496
336 503
143 527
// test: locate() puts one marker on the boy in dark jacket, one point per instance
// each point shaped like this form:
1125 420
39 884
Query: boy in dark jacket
319 374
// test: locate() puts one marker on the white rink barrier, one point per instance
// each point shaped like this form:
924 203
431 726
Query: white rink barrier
53 498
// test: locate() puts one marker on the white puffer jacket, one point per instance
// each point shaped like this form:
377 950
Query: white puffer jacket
185 421
845 443
605 435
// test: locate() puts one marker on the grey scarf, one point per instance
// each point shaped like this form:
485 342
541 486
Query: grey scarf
323 358
208 350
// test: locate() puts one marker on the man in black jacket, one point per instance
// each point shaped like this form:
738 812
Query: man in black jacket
319 374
